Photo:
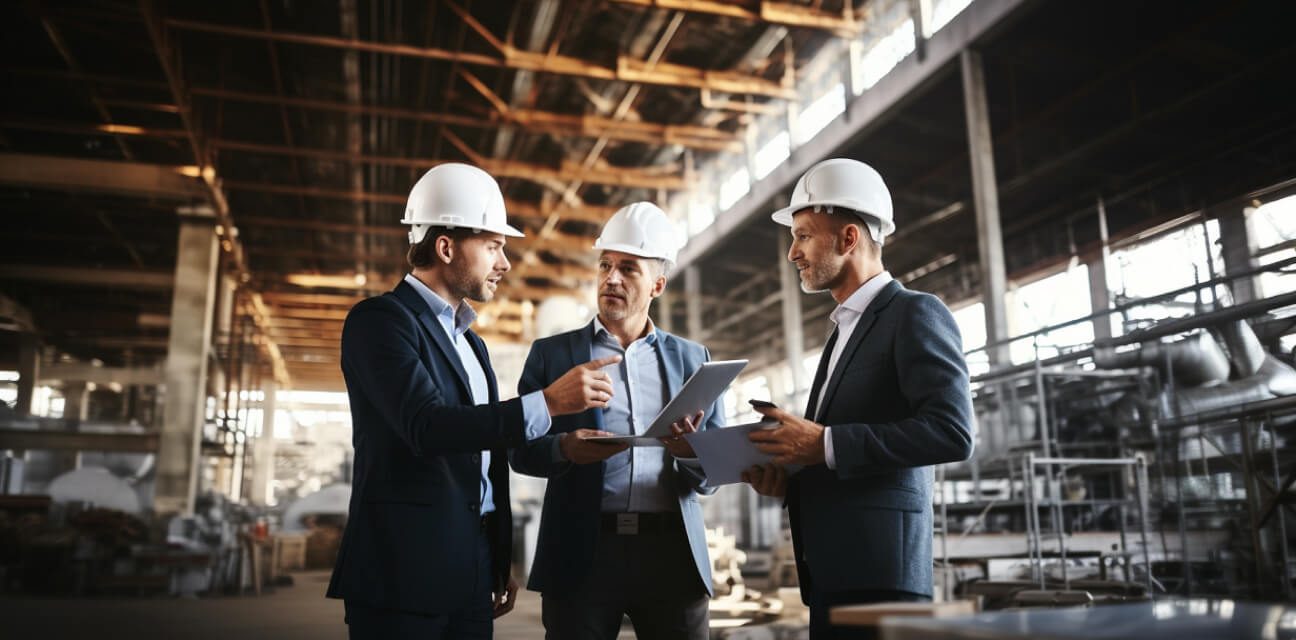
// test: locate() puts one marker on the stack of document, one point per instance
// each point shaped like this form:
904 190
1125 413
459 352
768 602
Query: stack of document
726 453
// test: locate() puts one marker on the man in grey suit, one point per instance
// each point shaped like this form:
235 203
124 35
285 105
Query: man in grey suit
621 533
890 399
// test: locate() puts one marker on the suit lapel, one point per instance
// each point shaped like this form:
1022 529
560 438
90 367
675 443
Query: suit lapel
479 349
672 362
856 338
423 312
821 373
582 350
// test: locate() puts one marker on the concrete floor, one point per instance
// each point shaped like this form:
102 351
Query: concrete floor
290 613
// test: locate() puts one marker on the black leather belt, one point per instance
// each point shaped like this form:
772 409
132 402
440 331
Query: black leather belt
642 522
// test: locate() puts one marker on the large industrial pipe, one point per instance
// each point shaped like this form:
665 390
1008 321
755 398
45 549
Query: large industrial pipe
1244 348
1196 360
1274 379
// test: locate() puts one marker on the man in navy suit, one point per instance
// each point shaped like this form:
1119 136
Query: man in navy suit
621 533
890 399
427 543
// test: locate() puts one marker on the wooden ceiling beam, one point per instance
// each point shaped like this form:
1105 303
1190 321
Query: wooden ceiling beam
108 176
541 174
592 213
780 13
530 120
541 62
281 297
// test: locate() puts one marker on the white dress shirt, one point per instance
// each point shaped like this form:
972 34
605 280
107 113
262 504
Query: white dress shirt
846 316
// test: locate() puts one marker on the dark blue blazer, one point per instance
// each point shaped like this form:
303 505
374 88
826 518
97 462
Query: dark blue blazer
415 512
569 521
898 401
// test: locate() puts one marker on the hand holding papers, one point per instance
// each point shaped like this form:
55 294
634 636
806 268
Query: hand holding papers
726 453
796 441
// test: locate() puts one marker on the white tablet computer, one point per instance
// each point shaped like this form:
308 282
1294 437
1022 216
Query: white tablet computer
698 394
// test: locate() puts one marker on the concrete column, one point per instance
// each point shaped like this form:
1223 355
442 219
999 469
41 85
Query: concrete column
793 330
693 301
663 319
28 372
985 197
1238 248
76 400
187 358
263 450
1099 296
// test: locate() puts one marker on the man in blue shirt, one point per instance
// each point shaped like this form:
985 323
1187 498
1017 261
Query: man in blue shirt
427 543
621 533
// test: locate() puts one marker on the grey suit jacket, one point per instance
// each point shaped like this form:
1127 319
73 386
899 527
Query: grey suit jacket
898 401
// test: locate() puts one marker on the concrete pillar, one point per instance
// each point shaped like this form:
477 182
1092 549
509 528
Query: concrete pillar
187 357
985 198
793 330
1099 296
263 451
28 372
1238 247
693 301
76 400
663 319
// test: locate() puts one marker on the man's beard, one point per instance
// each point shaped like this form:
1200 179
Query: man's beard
464 285
615 312
819 277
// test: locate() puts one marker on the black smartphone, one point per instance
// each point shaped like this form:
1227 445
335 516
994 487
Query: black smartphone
762 404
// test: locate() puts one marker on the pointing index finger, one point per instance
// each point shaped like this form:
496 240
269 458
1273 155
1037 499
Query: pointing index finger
599 363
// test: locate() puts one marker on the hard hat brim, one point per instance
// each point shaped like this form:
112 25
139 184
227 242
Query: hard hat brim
784 216
632 250
504 229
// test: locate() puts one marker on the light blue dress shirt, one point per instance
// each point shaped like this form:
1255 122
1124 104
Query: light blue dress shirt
534 411
638 479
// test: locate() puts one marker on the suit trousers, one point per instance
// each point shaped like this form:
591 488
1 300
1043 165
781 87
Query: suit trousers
474 622
648 576
821 603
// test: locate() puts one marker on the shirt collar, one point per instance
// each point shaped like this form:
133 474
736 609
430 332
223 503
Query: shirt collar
861 299
600 331
456 321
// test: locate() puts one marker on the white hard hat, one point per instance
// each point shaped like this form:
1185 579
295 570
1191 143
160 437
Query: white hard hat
640 229
848 184
456 195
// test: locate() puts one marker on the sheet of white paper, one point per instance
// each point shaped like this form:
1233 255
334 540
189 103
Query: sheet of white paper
726 453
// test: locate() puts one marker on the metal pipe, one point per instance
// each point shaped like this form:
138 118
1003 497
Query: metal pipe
1141 489
1179 325
1142 302
1282 519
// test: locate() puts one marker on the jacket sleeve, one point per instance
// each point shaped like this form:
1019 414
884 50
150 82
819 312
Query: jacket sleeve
380 356
933 380
692 479
537 457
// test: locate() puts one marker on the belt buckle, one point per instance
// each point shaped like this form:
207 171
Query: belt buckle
627 524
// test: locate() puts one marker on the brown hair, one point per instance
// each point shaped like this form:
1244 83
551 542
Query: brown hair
423 254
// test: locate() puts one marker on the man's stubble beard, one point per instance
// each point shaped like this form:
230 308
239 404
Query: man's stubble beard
465 286
821 277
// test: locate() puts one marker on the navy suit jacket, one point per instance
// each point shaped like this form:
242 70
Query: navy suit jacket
415 501
898 401
569 521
